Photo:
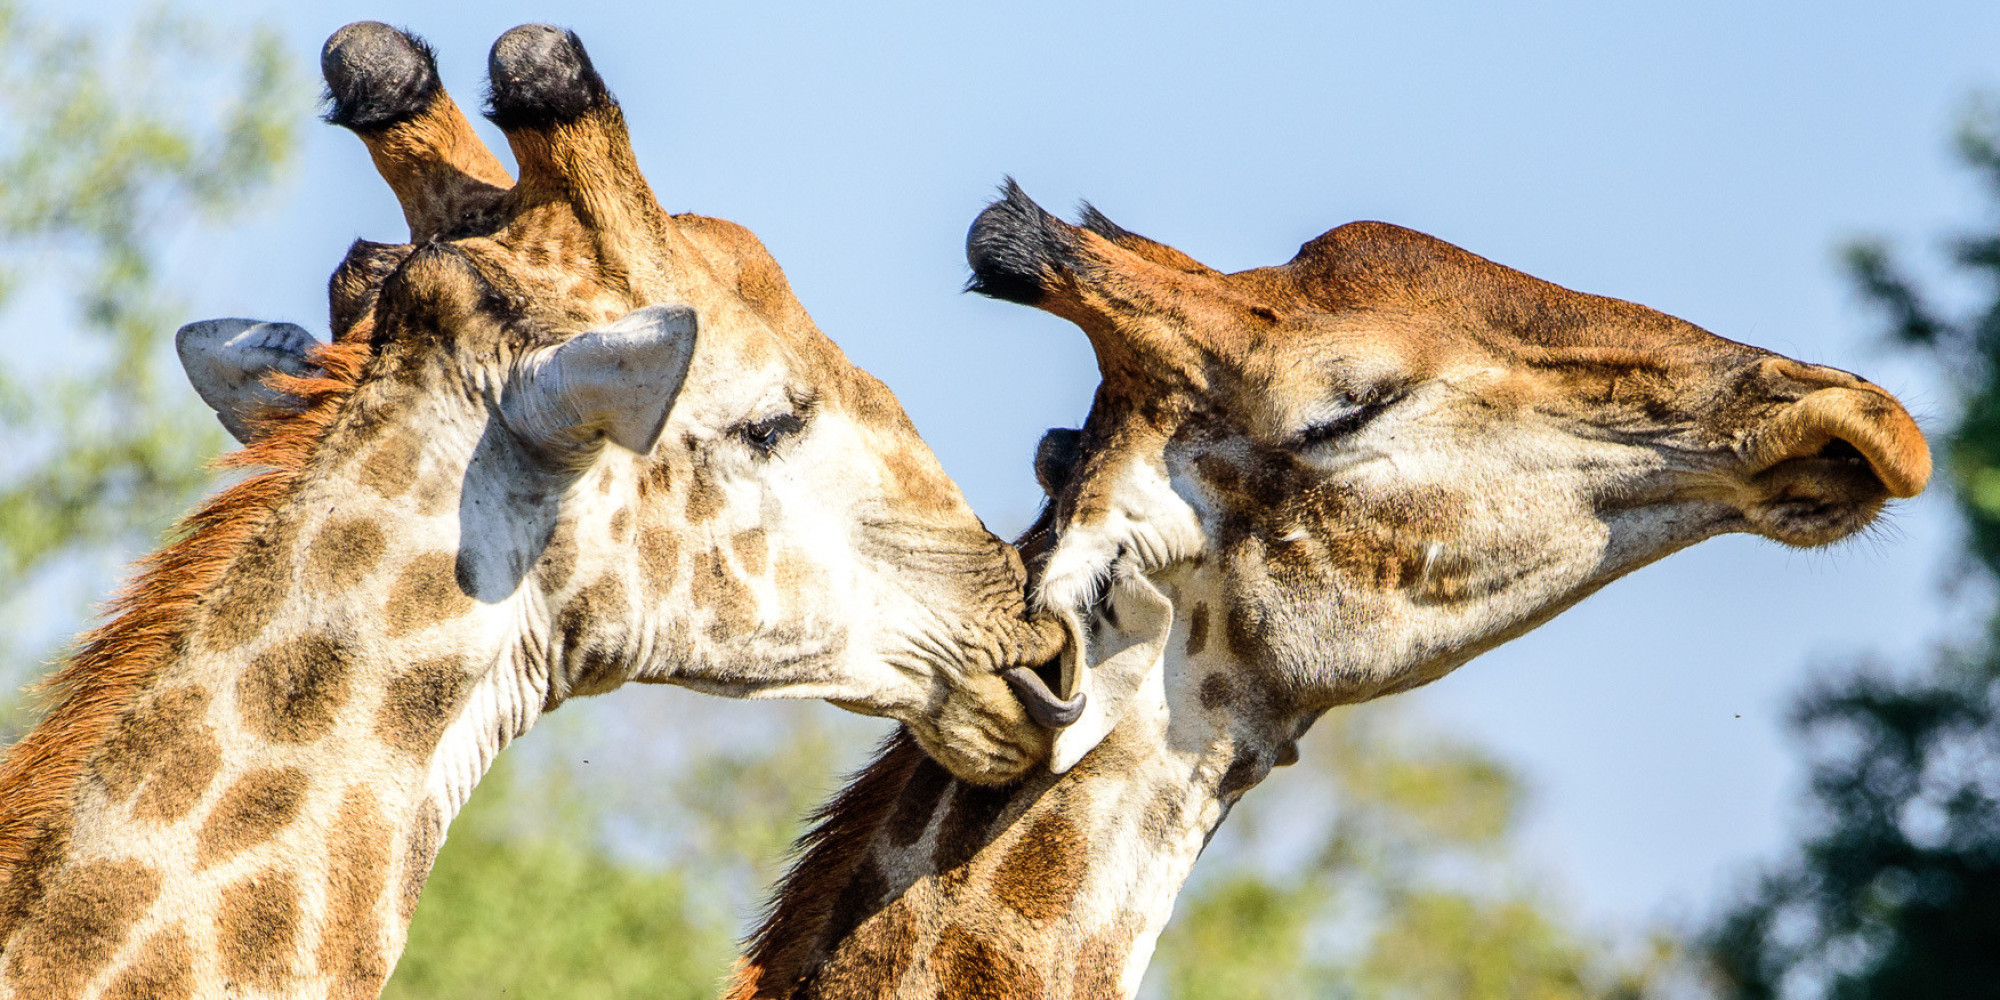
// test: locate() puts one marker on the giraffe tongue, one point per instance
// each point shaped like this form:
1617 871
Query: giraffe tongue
1048 711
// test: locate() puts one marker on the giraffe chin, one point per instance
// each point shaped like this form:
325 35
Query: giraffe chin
988 738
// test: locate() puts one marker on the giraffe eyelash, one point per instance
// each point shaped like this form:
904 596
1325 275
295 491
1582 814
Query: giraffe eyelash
1364 411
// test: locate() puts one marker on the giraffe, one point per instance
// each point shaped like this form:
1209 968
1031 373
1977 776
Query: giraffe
560 441
1298 487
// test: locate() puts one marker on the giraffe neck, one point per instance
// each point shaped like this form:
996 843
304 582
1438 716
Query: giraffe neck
262 811
914 885
918 885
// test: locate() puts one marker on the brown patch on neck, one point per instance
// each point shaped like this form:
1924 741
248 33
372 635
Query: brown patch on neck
357 878
1040 874
85 918
257 928
801 930
291 691
419 703
250 812
419 853
969 967
150 622
425 593
343 554
164 971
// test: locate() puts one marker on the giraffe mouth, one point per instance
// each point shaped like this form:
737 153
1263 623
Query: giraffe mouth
1818 499
1824 468
1032 688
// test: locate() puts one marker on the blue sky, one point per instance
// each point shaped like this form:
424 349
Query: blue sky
1700 157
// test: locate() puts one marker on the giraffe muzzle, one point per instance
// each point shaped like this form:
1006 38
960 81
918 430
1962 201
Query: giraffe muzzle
1823 468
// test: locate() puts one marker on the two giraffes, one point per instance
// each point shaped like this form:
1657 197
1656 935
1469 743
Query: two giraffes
562 440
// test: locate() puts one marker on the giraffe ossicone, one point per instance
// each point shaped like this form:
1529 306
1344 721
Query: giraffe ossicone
1298 487
557 442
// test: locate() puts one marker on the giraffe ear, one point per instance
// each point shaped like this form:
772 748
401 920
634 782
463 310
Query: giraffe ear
227 359
618 382
1119 672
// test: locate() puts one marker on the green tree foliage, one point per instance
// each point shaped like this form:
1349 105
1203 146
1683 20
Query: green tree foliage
107 151
1894 891
1383 870
546 909
615 854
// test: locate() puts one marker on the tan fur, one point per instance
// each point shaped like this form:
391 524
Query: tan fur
149 620
1309 570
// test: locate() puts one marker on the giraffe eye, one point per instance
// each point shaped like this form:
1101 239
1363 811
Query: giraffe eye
1360 413
767 434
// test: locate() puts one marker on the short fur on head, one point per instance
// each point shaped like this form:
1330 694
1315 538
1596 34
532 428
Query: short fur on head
562 441
1298 486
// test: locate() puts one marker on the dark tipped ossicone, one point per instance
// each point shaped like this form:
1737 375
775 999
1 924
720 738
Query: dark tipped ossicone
1015 247
376 75
540 76
1048 711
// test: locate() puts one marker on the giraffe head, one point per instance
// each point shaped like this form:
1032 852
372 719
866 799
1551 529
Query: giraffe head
1357 470
623 425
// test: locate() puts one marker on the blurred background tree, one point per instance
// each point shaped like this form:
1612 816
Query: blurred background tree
107 153
1382 867
1894 890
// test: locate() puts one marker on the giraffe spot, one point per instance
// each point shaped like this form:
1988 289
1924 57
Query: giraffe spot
133 752
753 553
291 692
1244 632
795 577
253 809
917 802
256 930
873 958
343 553
1216 691
705 500
971 968
1164 813
1100 964
350 945
419 853
621 524
592 666
731 603
559 556
604 482
1197 639
187 767
1039 875
419 703
81 922
974 808
436 494
659 557
425 593
247 598
164 970
391 466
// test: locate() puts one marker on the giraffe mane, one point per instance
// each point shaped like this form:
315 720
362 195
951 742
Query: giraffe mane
803 907
148 622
